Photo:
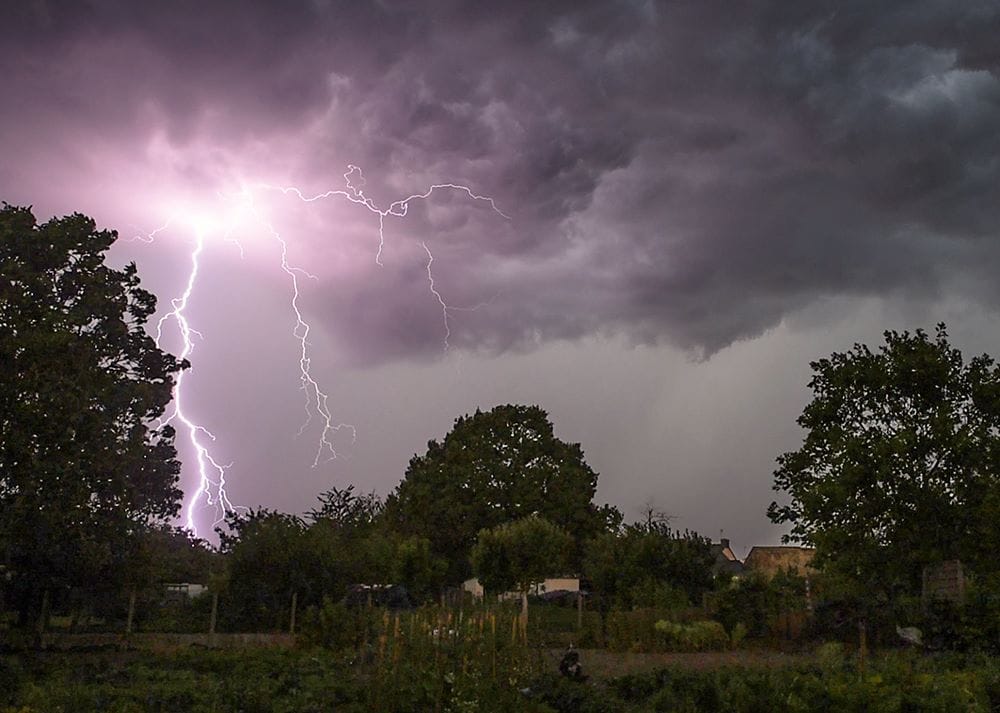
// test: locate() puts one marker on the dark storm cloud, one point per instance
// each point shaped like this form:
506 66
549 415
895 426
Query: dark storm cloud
680 171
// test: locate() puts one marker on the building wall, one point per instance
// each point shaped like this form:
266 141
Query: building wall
771 560
551 584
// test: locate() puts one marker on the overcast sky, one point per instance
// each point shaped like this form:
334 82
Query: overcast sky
698 198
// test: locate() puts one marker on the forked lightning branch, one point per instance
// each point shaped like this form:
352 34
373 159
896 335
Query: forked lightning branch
210 492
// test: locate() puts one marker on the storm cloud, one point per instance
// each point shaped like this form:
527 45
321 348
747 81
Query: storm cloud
686 173
679 171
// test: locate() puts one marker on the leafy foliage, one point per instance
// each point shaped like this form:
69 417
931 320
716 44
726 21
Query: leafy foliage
345 508
271 556
515 555
900 466
756 602
418 672
81 468
267 562
649 565
492 468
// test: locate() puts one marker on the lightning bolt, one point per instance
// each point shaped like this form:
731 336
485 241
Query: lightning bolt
437 295
317 400
354 192
354 181
206 463
212 474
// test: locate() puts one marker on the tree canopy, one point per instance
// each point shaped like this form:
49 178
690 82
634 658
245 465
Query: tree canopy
517 554
81 466
649 564
900 466
495 467
345 508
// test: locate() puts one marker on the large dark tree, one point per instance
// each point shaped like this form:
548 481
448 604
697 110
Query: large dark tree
900 466
81 469
495 467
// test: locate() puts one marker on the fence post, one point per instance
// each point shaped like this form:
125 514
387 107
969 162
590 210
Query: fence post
862 646
43 618
131 613
213 619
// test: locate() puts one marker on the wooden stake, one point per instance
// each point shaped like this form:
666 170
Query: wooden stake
862 646
43 618
214 617
131 613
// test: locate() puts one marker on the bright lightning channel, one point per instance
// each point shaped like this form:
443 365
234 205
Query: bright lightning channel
204 458
212 474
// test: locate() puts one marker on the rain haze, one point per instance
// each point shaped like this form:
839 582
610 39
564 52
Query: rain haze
692 200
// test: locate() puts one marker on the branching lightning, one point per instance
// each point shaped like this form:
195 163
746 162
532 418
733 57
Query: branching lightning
206 462
211 474
316 400
437 295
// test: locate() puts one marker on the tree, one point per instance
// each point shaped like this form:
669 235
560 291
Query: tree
515 555
345 508
418 569
267 561
82 470
649 564
495 467
900 466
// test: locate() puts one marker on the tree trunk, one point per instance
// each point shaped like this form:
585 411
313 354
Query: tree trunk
131 613
579 611
862 646
213 619
524 615
291 623
43 619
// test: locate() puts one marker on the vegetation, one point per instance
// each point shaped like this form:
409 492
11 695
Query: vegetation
900 469
436 677
82 470
496 467
649 565
516 555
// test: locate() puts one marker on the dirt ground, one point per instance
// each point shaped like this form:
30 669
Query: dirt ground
601 664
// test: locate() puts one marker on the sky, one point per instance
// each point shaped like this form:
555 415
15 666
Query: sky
691 201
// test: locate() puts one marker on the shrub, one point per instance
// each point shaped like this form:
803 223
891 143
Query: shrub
11 677
335 626
696 636
737 635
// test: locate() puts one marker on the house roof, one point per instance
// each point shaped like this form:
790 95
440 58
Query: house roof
725 561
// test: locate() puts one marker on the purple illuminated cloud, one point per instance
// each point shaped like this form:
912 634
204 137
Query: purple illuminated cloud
688 173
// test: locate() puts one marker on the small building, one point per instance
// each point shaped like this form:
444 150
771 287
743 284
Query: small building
183 590
771 560
557 584
390 596
725 564
548 585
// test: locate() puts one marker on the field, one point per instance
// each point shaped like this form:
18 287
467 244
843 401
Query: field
521 679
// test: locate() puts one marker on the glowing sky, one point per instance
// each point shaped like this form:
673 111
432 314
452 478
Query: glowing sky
703 197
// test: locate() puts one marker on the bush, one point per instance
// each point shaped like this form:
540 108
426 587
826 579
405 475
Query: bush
737 635
697 636
336 626
11 677
178 616
766 607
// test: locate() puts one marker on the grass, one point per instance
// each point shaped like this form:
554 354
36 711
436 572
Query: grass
405 670
480 660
